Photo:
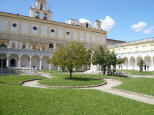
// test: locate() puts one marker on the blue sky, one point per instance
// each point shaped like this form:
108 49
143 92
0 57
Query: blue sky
123 19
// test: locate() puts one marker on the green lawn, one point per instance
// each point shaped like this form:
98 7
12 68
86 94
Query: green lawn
134 72
18 100
62 79
16 79
141 85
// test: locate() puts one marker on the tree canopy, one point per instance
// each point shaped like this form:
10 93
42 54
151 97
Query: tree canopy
105 59
69 56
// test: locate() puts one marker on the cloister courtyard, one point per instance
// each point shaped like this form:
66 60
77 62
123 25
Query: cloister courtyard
52 93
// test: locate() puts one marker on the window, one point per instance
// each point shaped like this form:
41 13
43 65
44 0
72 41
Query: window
14 25
41 6
23 47
50 46
52 30
86 25
45 16
37 14
68 33
34 28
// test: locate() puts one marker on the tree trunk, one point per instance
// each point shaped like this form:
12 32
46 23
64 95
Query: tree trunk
70 74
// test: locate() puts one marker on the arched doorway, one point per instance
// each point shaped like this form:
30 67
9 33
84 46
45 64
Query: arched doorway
3 59
13 60
147 61
12 63
132 63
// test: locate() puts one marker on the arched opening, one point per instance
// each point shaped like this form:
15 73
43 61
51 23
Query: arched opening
45 16
147 63
13 60
35 62
125 65
3 46
132 63
12 63
45 62
138 59
25 61
3 59
37 14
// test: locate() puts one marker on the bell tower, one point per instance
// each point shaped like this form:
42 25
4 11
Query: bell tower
40 11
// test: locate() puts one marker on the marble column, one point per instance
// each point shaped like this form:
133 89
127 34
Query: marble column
19 62
40 63
30 62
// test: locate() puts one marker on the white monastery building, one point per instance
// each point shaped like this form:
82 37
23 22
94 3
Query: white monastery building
134 51
28 42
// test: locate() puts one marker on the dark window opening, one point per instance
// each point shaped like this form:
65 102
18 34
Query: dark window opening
86 25
52 30
34 28
51 46
14 25
41 6
45 16
68 33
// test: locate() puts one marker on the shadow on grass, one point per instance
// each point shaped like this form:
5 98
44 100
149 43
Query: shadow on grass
82 79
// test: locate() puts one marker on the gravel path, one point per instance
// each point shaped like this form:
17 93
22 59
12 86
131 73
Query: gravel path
105 88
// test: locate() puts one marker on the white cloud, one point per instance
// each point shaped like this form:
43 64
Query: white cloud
139 26
149 30
108 23
83 20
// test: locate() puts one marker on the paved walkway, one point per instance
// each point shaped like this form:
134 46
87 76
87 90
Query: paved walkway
105 88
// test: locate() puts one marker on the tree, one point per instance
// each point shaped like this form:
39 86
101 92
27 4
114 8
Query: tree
71 55
140 64
99 57
120 61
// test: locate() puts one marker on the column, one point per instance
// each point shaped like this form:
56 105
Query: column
19 62
40 63
152 65
49 66
54 45
129 64
30 61
7 61
135 63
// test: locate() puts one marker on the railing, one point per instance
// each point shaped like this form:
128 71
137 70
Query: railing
18 71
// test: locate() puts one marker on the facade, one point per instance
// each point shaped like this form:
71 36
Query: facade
112 42
134 51
28 42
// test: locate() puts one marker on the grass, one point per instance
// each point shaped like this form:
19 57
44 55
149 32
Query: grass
62 79
16 79
18 100
140 85
134 72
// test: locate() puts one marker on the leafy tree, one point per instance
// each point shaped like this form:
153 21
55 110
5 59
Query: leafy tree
99 57
140 64
71 55
120 61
